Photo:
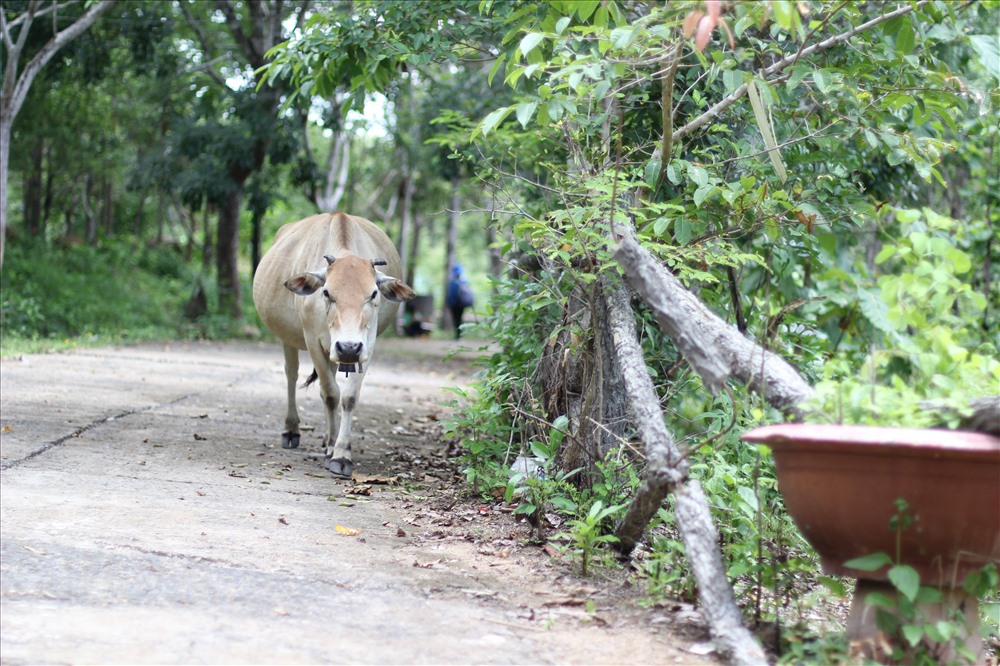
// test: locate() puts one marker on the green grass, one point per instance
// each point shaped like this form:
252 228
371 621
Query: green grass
58 299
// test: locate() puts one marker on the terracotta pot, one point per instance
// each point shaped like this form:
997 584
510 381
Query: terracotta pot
840 484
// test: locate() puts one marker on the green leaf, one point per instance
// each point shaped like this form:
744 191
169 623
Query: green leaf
698 174
905 579
732 79
822 80
875 311
622 37
682 231
702 193
530 41
496 68
675 171
905 39
747 495
784 11
913 634
585 8
562 24
524 112
988 50
872 562
491 121
886 253
652 172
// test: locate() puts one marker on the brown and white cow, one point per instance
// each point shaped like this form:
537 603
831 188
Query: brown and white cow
329 284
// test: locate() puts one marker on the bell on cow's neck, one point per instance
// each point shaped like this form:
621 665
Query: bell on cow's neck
347 368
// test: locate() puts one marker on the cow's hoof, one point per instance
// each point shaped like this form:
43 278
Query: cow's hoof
341 467
289 440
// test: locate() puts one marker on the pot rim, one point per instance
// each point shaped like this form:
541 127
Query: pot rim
874 436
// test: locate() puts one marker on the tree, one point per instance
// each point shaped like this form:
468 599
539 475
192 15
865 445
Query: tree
15 32
253 29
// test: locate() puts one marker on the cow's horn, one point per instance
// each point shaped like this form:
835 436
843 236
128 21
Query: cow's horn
379 262
329 259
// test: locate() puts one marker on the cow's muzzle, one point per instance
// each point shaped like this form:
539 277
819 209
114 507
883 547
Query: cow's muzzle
349 356
348 352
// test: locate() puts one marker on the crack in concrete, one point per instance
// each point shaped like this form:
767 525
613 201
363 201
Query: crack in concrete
48 446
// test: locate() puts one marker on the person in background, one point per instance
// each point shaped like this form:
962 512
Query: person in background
459 297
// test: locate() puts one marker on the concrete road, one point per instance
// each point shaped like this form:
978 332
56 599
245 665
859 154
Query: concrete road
149 515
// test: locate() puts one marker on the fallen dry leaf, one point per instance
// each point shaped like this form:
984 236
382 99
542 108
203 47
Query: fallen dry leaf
359 489
376 478
427 565
282 520
347 531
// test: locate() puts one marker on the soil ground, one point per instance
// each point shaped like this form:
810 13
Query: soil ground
149 515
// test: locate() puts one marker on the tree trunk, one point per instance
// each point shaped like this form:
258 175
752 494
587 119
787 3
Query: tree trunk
33 189
337 165
450 256
227 254
581 377
255 240
107 208
411 264
88 211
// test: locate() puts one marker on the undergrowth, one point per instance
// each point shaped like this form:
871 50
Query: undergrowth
59 298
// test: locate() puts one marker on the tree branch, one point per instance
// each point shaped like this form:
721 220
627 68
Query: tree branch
716 110
206 45
716 351
20 90
233 23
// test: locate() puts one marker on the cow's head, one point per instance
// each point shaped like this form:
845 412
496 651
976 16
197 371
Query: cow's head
351 289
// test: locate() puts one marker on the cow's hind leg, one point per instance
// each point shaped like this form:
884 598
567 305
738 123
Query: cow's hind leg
290 438
341 461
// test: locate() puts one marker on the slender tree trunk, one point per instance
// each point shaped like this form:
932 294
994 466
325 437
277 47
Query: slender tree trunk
207 246
88 211
33 184
337 166
227 254
450 256
107 209
50 191
255 240
6 120
411 265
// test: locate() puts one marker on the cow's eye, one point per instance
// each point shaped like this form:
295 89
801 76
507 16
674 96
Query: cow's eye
374 295
327 296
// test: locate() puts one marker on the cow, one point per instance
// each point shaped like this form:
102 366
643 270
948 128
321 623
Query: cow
329 284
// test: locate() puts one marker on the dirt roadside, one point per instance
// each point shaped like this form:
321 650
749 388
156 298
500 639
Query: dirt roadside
149 515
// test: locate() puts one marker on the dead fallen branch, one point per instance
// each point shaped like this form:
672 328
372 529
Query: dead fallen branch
666 471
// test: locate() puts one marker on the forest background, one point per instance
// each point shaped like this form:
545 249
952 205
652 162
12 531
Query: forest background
822 175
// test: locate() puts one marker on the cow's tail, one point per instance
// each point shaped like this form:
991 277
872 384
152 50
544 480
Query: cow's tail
313 377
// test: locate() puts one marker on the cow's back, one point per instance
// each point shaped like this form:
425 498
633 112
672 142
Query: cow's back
299 247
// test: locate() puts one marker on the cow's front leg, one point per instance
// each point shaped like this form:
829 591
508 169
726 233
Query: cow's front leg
329 392
290 438
341 461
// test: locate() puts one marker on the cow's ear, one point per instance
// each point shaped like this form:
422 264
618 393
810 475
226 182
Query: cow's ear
393 289
305 283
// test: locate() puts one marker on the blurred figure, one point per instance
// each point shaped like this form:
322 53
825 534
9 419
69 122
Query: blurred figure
459 297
